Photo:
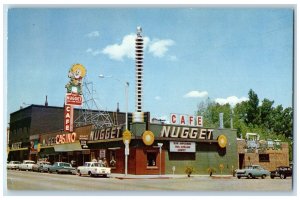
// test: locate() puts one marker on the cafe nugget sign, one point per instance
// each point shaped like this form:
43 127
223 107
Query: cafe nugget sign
186 132
68 118
74 94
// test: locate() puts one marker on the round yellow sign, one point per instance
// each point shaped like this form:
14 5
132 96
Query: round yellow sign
222 141
126 136
148 138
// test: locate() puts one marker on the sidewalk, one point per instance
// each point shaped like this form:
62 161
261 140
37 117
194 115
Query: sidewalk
167 176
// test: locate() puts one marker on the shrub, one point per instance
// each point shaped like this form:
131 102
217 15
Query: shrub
211 170
189 171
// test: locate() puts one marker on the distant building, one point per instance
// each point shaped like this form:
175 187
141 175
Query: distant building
267 153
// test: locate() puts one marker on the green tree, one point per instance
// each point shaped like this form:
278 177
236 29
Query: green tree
239 118
282 121
210 112
269 121
266 113
252 112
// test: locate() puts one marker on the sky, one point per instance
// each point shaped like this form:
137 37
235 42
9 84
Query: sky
190 54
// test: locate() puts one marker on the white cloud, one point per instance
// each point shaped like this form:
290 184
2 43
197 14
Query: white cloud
196 94
93 52
126 49
93 34
159 47
232 100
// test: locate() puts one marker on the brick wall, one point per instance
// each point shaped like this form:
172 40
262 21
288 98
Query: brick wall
277 157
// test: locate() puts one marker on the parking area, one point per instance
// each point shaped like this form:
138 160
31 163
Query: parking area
49 184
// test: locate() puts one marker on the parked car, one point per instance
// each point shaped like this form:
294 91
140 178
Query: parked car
45 167
252 171
39 166
26 165
93 169
61 167
282 172
13 165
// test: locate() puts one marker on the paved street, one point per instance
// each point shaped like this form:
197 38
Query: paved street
49 184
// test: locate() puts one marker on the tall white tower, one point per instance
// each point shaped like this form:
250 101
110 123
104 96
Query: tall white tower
139 56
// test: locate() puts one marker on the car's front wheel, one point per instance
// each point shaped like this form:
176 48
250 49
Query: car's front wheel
282 176
238 177
263 176
249 176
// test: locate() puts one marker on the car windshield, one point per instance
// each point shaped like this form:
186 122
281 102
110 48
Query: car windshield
97 165
101 165
66 165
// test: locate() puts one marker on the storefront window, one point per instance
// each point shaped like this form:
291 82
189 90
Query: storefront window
151 159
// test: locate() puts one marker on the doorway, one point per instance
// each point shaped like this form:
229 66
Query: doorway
241 160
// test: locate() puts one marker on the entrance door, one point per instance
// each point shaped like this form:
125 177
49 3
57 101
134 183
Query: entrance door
241 160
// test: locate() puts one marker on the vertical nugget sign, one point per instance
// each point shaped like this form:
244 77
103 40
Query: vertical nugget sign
74 94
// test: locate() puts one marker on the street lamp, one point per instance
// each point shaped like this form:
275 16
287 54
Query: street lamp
159 145
126 95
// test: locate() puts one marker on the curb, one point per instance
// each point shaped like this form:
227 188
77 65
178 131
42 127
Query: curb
121 178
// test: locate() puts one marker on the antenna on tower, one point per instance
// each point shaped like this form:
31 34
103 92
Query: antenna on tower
138 116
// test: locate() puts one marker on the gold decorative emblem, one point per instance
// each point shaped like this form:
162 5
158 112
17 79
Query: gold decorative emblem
148 138
222 141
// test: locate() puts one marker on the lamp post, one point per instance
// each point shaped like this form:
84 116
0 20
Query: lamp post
126 95
126 156
126 119
160 146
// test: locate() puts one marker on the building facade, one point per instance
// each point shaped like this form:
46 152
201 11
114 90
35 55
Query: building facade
28 124
36 132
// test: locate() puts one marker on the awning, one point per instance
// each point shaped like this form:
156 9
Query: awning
47 151
20 149
68 147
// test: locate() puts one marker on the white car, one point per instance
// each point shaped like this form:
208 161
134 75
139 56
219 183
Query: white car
26 165
13 165
93 169
40 165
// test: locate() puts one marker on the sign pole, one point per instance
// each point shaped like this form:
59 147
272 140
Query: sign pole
126 140
160 146
126 156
